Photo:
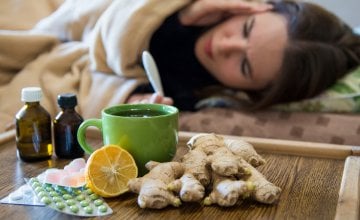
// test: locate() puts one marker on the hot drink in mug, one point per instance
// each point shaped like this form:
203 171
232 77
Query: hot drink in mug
146 131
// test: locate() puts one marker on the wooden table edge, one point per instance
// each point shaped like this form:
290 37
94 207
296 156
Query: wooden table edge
289 147
349 193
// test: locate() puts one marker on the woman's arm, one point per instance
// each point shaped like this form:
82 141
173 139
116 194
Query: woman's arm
208 12
150 98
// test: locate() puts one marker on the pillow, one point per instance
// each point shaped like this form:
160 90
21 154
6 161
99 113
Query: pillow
343 96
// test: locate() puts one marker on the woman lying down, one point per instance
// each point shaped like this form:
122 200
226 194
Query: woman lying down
206 50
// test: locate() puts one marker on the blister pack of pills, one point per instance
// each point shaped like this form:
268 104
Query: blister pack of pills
74 201
61 189
24 195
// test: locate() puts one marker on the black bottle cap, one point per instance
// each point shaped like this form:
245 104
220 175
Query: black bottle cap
67 100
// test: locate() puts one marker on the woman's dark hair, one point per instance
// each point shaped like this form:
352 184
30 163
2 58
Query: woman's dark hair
320 50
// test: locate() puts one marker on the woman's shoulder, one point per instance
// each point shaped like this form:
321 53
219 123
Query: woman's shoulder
119 24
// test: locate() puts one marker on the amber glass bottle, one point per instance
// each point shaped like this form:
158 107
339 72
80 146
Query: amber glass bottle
66 124
33 127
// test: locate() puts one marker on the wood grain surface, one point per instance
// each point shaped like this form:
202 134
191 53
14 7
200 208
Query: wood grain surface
310 191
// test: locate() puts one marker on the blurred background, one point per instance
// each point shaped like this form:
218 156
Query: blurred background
349 10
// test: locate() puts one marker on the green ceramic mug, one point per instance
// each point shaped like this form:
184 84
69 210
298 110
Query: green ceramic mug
146 131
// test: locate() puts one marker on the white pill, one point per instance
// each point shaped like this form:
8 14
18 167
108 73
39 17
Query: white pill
26 189
16 196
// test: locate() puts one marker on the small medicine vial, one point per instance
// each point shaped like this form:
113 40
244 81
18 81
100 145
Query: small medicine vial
33 127
66 124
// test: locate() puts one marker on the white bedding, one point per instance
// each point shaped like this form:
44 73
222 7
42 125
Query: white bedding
90 48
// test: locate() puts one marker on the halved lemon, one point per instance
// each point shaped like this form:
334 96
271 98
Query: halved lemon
108 170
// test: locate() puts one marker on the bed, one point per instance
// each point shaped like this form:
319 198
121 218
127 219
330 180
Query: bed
17 17
332 128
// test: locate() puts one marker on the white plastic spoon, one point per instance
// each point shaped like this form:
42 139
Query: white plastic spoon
152 72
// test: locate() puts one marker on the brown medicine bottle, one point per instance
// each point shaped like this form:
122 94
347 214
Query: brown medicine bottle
33 127
66 124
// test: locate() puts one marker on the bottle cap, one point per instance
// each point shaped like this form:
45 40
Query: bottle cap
31 94
67 100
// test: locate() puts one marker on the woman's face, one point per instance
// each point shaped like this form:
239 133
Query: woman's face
244 52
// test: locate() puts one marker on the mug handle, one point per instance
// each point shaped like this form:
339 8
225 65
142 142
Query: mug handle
81 137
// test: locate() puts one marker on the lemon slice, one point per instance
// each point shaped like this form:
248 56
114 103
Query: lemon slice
108 170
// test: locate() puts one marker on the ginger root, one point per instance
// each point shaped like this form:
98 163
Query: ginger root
188 187
210 143
227 190
153 186
226 167
191 186
225 163
234 158
265 191
246 151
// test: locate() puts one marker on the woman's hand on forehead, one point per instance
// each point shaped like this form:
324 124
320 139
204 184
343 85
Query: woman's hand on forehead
208 12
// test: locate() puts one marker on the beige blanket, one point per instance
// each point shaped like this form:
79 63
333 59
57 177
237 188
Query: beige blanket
91 48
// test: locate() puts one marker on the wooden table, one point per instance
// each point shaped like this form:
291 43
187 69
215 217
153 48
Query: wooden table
319 181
